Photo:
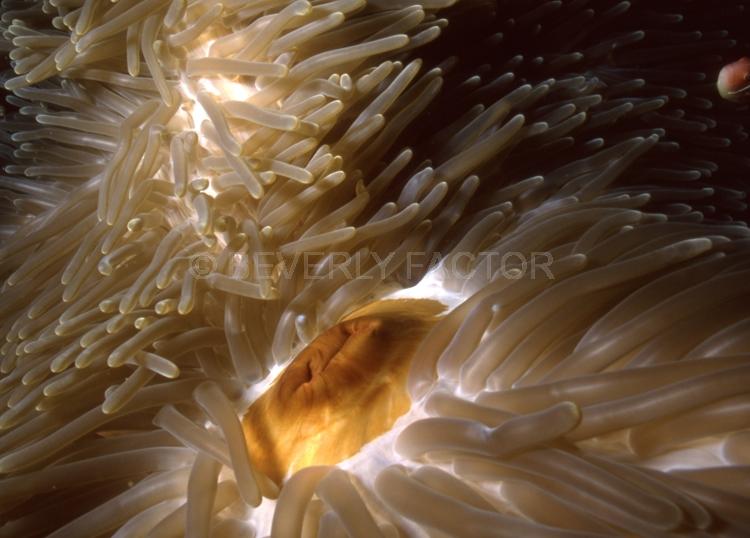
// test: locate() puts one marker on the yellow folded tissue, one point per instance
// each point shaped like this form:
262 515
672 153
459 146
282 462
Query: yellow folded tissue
344 389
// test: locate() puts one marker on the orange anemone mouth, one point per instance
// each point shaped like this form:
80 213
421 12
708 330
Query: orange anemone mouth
347 387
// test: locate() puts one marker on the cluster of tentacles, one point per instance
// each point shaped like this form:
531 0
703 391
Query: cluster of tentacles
268 268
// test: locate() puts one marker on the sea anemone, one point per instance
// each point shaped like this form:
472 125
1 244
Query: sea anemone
374 268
